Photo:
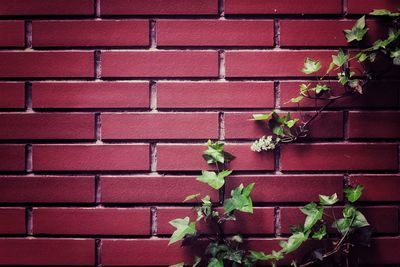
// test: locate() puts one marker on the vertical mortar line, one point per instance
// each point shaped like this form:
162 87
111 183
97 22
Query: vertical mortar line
346 125
97 9
98 127
28 158
98 247
153 34
221 8
28 97
277 33
221 62
153 157
346 182
97 190
29 221
97 64
153 96
277 217
221 126
277 94
344 8
28 34
153 221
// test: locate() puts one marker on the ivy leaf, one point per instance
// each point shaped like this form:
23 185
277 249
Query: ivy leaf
311 66
340 59
353 194
342 225
294 242
361 57
320 233
191 197
314 214
181 264
214 180
319 88
291 123
214 262
357 32
359 220
183 227
297 99
237 238
262 117
396 56
328 200
384 12
274 256
240 199
348 211
343 79
215 153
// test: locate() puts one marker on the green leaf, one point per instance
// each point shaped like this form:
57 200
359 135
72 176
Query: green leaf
311 66
240 199
361 57
359 220
340 59
357 32
348 211
183 227
278 130
215 153
297 99
304 87
353 194
343 79
328 200
237 238
319 88
320 233
181 264
274 256
342 225
384 12
294 242
191 197
214 180
262 117
314 214
291 123
214 262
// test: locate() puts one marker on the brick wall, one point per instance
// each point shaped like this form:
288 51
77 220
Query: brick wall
105 106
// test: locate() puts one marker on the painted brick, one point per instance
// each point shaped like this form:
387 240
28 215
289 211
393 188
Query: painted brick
167 155
12 95
215 95
90 95
367 6
160 64
374 124
47 251
90 157
160 126
215 33
90 33
161 7
91 221
272 63
12 33
383 250
293 216
260 222
323 32
238 125
46 64
150 189
379 187
47 126
371 97
283 7
12 157
12 221
288 188
47 189
338 156
46 7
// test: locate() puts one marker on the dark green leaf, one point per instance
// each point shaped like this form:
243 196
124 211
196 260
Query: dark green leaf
314 214
294 242
320 233
213 179
240 200
328 200
214 262
353 194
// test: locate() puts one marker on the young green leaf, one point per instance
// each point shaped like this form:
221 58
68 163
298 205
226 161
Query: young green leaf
237 238
215 153
348 211
328 200
214 262
240 200
311 66
314 214
291 123
262 117
274 256
343 79
359 220
353 194
294 242
320 88
213 179
297 99
357 32
183 227
384 12
342 225
361 57
191 197
320 233
340 59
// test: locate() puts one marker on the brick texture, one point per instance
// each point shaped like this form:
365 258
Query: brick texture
106 106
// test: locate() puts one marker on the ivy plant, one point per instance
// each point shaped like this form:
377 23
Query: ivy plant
285 129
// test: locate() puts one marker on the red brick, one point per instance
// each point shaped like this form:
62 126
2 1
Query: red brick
90 95
323 32
238 125
12 95
12 221
382 124
287 188
169 158
12 157
215 95
215 33
293 216
371 97
383 250
367 6
273 63
46 7
90 33
90 157
47 189
338 156
160 126
47 126
47 251
283 7
152 189
12 33
261 221
47 64
161 7
160 64
91 221
379 187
